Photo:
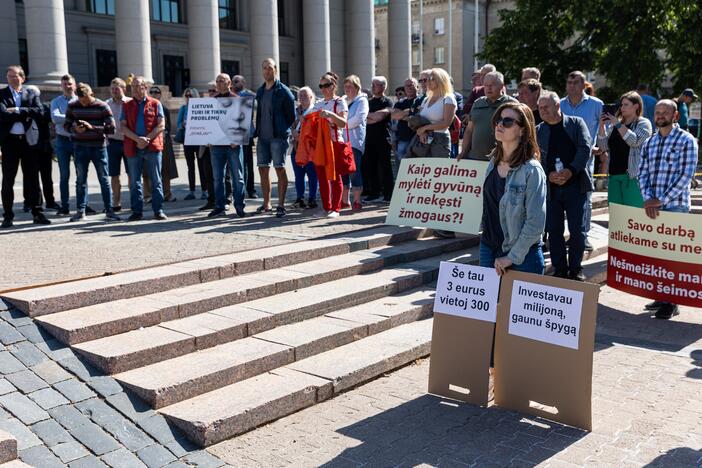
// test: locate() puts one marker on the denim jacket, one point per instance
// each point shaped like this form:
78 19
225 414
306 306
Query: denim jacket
283 110
522 209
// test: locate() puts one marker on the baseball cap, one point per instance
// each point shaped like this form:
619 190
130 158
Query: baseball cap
690 93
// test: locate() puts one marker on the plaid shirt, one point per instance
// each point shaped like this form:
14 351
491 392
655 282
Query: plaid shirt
667 167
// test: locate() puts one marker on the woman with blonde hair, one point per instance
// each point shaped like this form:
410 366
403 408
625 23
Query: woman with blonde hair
439 108
358 112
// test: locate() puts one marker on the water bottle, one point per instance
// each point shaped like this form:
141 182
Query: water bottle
559 165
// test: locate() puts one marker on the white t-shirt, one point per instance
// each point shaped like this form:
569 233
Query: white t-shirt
341 106
435 112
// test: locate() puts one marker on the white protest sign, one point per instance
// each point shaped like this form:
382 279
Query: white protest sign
218 121
467 291
546 313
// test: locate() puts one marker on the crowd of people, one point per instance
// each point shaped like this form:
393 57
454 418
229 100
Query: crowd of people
542 151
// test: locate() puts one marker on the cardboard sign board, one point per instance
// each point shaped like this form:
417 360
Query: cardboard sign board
438 194
465 307
544 342
660 258
218 121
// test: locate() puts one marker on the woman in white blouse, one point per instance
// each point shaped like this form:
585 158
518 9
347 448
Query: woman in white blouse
438 108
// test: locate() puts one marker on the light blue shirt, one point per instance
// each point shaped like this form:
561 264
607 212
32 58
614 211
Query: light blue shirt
59 106
649 108
589 109
18 127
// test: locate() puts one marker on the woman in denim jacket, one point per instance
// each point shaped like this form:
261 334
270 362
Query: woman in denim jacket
514 195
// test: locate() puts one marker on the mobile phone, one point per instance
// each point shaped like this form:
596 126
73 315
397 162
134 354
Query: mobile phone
610 109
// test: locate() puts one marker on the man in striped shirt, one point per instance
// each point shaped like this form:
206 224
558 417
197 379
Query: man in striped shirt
668 161
90 121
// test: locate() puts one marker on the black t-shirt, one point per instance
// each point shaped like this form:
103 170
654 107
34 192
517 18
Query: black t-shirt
618 153
493 190
378 132
560 146
537 116
404 133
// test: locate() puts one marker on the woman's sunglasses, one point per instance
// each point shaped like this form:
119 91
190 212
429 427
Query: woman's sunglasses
154 91
325 85
507 122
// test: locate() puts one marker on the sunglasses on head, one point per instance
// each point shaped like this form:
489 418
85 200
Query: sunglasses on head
507 122
325 85
154 91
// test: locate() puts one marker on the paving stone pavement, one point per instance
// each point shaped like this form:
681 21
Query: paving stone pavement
646 412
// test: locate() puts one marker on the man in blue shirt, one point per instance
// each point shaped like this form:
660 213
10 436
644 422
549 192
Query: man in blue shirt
649 107
686 98
589 108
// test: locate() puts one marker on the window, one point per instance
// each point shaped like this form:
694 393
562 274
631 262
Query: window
167 11
106 63
101 7
284 72
175 75
415 56
228 15
230 67
438 55
23 56
416 33
282 30
439 26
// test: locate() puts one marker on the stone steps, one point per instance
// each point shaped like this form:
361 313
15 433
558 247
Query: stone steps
124 315
170 381
76 294
234 409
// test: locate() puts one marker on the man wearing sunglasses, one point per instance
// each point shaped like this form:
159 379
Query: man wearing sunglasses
564 141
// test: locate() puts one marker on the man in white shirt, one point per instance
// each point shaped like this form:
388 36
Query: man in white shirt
115 147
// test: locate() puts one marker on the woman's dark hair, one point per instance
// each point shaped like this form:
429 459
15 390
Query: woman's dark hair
331 76
528 147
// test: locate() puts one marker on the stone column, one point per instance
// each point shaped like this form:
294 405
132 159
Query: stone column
337 37
46 41
264 35
361 40
9 46
400 42
203 42
133 31
316 40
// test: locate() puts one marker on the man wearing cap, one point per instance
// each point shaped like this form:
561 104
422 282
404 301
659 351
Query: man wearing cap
683 101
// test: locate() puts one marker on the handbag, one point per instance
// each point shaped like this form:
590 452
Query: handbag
180 135
344 161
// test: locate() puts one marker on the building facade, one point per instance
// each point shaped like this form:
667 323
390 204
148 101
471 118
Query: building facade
432 24
187 42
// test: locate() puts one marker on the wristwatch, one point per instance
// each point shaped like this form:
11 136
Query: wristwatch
618 125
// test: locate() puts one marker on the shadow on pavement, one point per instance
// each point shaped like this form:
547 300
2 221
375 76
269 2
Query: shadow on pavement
439 432
678 457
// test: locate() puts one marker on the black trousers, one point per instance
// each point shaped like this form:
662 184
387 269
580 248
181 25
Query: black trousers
249 167
191 159
15 154
205 166
376 169
47 182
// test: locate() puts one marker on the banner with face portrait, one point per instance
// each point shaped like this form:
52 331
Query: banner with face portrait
218 121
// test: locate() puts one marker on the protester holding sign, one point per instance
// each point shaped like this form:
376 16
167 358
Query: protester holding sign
622 136
514 195
334 110
668 161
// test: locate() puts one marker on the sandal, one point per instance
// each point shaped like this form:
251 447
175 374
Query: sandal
279 212
262 209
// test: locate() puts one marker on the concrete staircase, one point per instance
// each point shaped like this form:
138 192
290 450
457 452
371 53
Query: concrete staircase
221 345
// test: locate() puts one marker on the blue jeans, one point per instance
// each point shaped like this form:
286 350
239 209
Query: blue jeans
64 151
570 201
234 158
152 160
533 261
300 173
115 155
273 150
401 152
354 180
83 156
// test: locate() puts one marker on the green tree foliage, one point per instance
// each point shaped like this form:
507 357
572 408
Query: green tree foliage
629 41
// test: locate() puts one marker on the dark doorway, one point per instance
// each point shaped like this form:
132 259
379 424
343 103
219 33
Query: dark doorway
106 62
175 75
230 67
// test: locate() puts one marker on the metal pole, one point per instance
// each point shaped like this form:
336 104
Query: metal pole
450 36
476 28
421 35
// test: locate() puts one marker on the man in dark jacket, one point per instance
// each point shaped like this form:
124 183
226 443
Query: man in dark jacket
275 116
44 154
18 106
564 142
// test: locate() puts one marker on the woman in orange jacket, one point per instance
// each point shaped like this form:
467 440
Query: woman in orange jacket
333 109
